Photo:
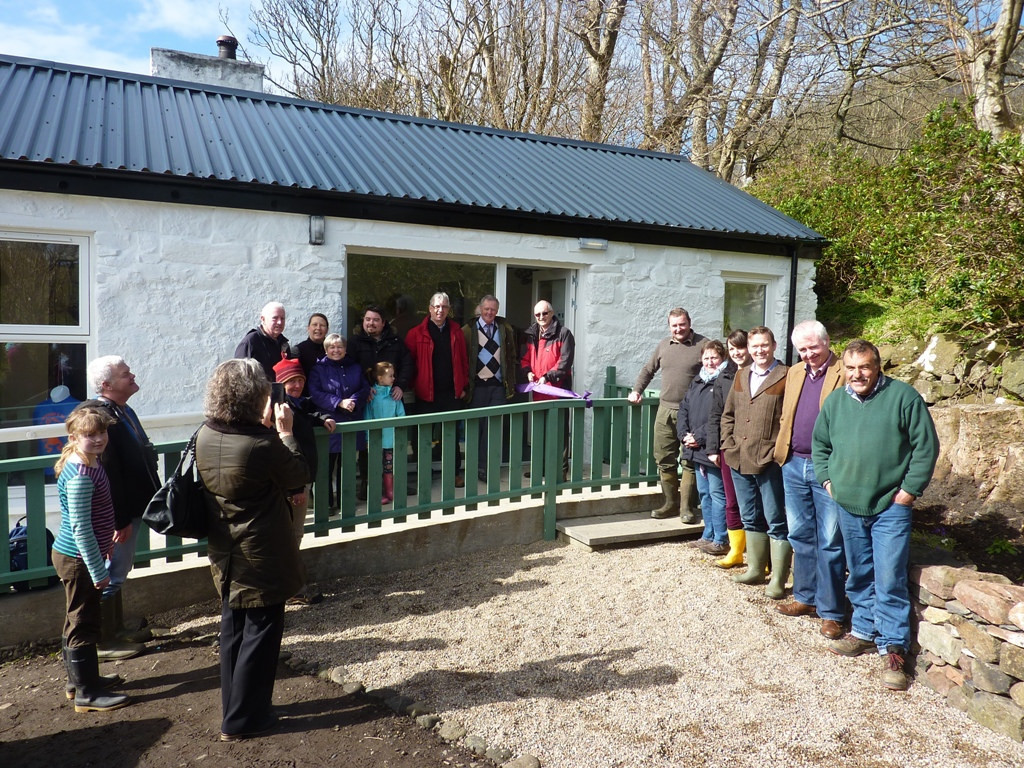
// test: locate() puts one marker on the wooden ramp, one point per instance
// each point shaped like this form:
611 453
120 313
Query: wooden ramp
604 530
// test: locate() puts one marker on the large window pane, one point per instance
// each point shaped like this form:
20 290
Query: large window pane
403 287
39 384
39 283
744 305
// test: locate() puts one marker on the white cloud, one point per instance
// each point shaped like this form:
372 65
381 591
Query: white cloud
192 19
72 44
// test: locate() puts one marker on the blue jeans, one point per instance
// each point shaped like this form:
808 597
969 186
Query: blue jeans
819 564
712 502
761 501
122 559
878 555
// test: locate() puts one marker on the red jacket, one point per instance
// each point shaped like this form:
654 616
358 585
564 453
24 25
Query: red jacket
550 354
421 346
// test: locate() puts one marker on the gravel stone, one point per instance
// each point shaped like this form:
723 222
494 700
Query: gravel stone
644 656
476 744
451 731
427 721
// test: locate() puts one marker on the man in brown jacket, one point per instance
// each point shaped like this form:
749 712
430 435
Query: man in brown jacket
749 429
819 565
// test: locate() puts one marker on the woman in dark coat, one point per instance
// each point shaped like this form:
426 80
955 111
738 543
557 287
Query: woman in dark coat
248 469
692 427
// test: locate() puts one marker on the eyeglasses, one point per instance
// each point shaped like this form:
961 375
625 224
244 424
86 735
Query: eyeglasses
439 306
541 314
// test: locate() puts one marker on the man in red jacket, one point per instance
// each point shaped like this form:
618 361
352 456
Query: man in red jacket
550 350
438 348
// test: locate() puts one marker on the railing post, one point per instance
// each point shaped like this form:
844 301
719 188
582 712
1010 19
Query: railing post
552 467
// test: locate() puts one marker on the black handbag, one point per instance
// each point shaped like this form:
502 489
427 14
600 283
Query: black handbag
179 507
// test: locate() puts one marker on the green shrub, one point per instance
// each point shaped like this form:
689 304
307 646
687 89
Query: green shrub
940 229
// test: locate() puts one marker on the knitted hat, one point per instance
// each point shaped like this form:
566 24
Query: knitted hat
288 369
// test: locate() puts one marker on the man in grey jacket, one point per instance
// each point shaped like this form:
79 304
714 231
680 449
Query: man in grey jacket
678 359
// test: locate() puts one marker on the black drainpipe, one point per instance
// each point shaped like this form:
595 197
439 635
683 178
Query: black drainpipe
791 310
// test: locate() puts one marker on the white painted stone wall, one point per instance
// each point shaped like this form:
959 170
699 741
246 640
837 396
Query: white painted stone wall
174 287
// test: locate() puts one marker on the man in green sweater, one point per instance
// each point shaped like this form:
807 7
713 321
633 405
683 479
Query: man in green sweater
874 449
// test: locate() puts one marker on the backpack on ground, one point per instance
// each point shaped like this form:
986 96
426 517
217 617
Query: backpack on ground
19 555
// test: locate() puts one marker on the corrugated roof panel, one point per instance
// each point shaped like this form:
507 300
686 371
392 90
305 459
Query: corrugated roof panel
62 114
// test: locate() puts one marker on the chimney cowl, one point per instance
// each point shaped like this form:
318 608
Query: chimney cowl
226 47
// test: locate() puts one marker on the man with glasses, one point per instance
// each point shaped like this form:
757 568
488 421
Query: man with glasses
438 349
550 349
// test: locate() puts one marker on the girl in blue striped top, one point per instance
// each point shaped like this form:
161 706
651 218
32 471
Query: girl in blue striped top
83 543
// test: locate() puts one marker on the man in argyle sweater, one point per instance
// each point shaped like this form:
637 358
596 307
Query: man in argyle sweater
491 347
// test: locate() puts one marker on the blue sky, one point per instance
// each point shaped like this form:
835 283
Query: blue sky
115 34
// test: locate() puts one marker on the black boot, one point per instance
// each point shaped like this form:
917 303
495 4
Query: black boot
110 648
142 635
84 673
106 681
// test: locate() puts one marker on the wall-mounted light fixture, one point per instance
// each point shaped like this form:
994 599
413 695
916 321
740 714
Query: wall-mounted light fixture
316 230
593 244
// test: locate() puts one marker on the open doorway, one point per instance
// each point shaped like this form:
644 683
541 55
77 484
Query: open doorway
525 286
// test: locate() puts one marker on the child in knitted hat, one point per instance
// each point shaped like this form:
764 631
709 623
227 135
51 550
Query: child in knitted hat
306 416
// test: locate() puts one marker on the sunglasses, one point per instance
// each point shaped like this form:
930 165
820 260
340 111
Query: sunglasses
541 314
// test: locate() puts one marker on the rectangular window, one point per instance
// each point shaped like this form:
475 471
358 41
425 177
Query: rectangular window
745 304
403 287
44 325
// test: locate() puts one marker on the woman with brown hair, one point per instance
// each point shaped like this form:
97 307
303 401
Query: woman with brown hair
248 468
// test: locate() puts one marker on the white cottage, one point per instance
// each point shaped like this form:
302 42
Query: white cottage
153 217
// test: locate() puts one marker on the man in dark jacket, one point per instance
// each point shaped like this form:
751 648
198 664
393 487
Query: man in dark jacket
493 357
376 342
266 343
130 462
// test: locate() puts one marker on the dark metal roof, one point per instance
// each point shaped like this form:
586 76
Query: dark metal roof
57 115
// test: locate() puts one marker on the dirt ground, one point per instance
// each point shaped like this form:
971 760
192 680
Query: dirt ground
175 720
951 517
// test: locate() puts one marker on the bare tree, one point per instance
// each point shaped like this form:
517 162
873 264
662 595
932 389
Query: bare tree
597 25
983 47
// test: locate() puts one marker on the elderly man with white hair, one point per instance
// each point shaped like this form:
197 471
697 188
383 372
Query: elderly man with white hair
819 565
130 462
266 343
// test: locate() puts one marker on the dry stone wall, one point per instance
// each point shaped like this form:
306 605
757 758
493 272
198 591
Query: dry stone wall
970 628
941 367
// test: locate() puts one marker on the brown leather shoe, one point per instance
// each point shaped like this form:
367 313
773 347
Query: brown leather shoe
833 630
795 608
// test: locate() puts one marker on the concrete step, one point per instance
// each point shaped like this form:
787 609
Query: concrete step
603 530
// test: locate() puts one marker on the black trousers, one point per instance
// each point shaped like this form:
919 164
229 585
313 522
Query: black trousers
444 404
486 396
250 642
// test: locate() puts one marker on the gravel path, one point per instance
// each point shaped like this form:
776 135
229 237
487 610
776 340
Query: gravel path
637 656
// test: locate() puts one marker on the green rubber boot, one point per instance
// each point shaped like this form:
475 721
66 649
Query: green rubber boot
688 497
757 559
669 487
782 559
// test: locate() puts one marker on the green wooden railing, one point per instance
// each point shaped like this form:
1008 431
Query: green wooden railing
609 448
